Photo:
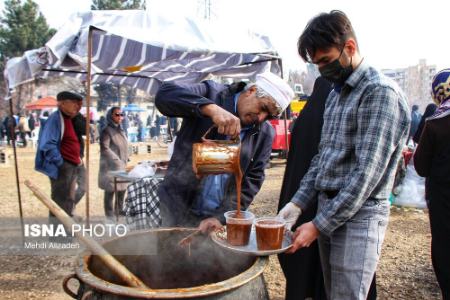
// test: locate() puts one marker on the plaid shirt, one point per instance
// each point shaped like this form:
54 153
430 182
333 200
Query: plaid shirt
365 127
142 204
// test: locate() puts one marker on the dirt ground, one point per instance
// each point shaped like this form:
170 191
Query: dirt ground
404 271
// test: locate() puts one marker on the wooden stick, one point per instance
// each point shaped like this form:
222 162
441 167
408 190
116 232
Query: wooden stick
187 240
113 264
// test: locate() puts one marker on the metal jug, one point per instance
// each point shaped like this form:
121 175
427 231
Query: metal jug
216 156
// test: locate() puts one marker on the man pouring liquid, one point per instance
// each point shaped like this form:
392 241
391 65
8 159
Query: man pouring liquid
240 109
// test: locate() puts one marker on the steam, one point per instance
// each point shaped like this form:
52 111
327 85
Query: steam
170 265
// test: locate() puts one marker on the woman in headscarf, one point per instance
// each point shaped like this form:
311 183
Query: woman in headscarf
113 157
432 160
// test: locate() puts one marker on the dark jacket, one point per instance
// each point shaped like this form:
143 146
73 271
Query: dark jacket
9 124
302 269
180 186
429 111
432 156
31 123
432 160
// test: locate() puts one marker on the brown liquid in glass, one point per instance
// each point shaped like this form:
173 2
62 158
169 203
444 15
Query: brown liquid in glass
269 235
238 234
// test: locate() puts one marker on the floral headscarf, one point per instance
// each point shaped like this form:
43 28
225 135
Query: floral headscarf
440 91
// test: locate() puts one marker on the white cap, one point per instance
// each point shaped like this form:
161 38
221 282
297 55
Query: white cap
276 87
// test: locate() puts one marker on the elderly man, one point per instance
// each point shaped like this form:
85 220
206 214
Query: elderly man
60 151
366 122
238 109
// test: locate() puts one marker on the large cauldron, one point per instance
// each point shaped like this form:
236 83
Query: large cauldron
204 271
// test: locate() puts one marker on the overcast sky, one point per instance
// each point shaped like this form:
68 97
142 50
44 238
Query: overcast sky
391 33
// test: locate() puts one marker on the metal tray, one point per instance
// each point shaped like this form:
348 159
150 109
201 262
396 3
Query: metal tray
220 238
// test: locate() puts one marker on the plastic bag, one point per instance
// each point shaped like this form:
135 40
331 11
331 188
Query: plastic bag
144 169
412 190
171 147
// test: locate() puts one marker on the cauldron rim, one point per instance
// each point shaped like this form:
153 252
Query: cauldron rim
86 276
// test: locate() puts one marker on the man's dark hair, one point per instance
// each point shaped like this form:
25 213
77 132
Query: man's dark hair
323 32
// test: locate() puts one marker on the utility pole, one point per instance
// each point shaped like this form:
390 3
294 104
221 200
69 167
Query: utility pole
204 9
208 10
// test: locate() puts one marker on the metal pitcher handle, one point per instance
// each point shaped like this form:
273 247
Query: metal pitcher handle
204 139
66 287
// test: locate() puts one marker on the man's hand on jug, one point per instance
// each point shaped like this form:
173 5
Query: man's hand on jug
226 122
290 213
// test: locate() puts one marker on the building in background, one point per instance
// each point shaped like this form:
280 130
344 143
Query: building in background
415 81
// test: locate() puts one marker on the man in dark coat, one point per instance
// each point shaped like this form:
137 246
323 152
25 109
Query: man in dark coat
31 123
9 124
237 109
415 120
2 130
429 111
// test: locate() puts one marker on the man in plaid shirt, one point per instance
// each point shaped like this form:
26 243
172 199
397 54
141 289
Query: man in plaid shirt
366 123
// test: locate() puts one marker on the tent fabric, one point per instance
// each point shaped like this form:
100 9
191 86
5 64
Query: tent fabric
42 103
139 49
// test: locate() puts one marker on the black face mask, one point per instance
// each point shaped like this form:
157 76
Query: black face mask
335 72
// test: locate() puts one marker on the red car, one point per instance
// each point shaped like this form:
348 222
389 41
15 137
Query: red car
279 147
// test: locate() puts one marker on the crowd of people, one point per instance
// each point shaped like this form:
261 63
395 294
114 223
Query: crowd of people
23 126
345 148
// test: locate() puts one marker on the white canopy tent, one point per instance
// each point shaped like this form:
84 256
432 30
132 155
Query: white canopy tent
136 48
141 49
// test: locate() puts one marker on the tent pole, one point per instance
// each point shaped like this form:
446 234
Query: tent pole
19 197
88 118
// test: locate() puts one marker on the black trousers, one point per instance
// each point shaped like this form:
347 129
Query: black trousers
23 137
68 189
108 203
